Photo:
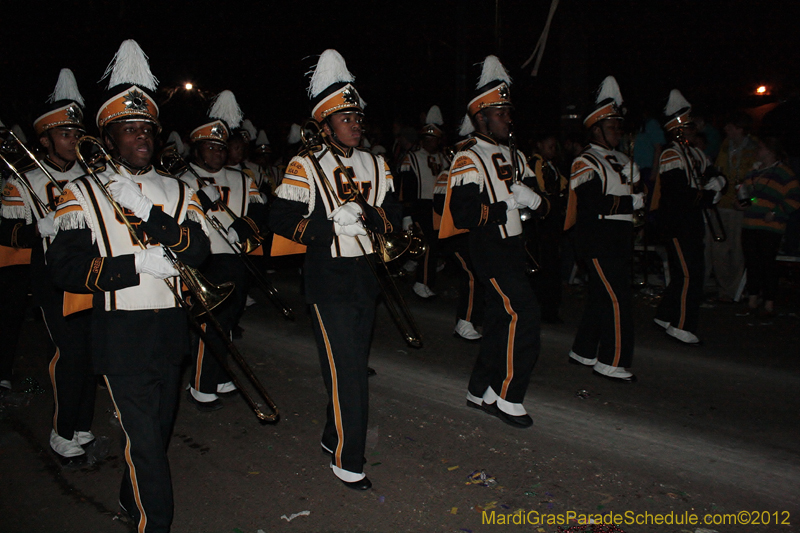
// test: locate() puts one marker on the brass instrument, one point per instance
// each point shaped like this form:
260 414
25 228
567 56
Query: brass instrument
173 163
314 136
525 213
13 141
639 215
711 214
240 249
204 295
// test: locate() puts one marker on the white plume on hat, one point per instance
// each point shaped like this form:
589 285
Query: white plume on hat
330 69
676 102
434 116
294 134
175 138
66 88
247 125
130 65
493 70
466 126
17 130
225 108
261 139
609 89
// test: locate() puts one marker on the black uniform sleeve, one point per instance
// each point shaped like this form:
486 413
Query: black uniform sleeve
256 221
75 265
676 192
14 232
205 201
592 202
384 219
187 240
469 210
286 218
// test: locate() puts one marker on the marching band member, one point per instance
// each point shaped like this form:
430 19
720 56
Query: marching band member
218 185
17 238
417 175
601 205
74 385
322 211
139 332
548 231
486 199
682 196
469 310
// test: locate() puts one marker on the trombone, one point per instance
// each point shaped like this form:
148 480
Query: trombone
525 214
313 136
168 159
204 295
44 207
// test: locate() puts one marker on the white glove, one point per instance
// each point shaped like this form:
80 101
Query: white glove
638 200
212 192
153 261
351 230
233 237
47 225
407 223
347 214
717 197
525 196
128 194
715 184
512 203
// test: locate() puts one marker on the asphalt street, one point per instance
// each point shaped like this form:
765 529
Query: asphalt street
707 433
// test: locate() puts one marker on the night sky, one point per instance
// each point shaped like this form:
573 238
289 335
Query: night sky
408 55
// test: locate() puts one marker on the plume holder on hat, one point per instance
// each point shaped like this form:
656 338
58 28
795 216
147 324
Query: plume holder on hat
331 89
130 88
65 109
493 88
607 103
225 116
433 123
677 111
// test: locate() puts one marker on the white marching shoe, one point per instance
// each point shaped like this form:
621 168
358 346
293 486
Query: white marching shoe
423 291
686 337
466 331
63 447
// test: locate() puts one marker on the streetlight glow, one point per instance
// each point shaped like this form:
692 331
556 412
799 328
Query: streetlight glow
761 90
188 86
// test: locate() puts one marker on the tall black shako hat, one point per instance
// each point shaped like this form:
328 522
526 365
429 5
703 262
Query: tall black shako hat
224 116
677 111
131 88
433 123
64 107
331 89
607 103
493 90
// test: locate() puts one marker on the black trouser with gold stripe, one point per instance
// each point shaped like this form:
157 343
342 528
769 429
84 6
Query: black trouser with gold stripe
207 372
426 271
71 374
470 289
511 329
139 353
606 329
680 303
343 332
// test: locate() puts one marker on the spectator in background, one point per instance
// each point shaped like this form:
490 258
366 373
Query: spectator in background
766 198
709 134
736 158
647 149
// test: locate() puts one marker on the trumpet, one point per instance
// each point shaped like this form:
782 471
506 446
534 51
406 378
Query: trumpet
314 136
204 295
169 158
